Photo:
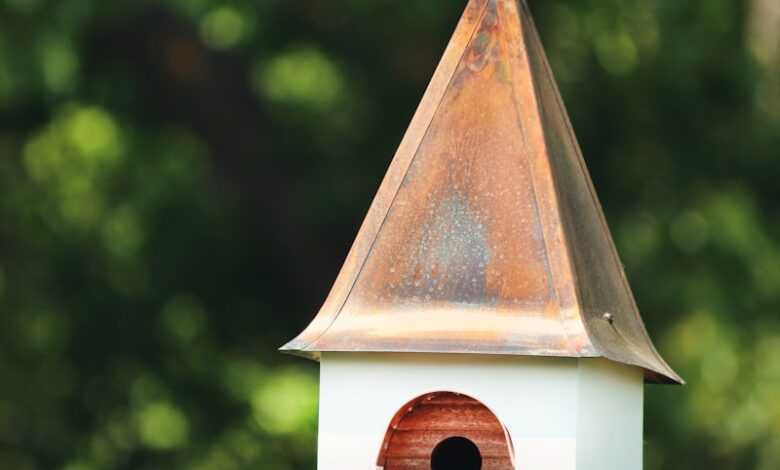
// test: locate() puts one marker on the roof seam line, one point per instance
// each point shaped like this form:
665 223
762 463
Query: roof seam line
526 35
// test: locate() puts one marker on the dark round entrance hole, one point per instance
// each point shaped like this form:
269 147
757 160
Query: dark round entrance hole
456 453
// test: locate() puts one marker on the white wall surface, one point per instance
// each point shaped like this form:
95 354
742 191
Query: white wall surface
611 407
545 404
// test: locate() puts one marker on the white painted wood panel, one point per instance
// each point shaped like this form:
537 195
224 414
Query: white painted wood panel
561 413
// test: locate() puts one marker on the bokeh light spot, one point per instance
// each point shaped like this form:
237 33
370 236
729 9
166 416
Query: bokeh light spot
94 133
223 28
162 426
59 64
616 52
300 77
71 160
123 235
286 402
183 318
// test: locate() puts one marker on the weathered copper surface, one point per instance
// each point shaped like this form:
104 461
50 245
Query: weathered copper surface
423 423
486 235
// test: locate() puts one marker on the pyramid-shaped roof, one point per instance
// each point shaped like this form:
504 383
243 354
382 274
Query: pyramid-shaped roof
486 235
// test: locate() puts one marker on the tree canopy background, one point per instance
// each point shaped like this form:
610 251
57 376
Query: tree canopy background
181 180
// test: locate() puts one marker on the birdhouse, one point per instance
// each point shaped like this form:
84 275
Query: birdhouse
482 319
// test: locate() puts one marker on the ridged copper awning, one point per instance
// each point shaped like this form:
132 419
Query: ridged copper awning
486 235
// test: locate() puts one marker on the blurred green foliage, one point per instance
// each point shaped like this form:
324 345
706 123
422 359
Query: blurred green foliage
181 180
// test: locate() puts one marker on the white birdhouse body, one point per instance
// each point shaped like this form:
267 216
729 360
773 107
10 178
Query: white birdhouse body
557 413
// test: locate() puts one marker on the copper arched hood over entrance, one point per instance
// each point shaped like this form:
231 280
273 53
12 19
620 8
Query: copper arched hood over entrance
486 235
419 434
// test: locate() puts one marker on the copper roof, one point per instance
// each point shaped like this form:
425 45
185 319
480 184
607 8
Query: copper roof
486 235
